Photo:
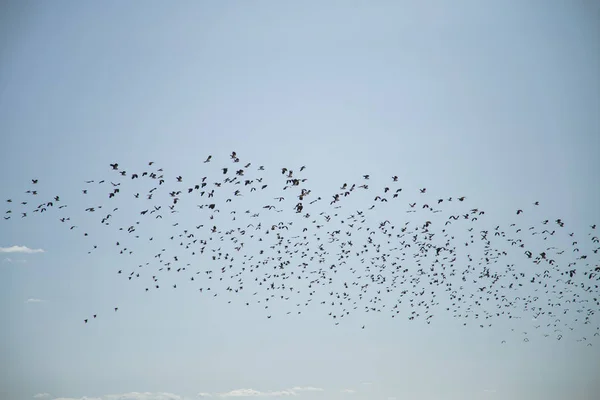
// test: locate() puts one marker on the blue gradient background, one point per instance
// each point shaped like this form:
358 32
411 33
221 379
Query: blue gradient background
495 100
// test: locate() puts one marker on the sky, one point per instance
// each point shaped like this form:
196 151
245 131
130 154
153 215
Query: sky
495 101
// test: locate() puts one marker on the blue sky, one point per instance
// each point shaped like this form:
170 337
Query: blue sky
495 101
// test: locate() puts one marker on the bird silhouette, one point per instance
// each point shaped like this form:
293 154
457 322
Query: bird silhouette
346 256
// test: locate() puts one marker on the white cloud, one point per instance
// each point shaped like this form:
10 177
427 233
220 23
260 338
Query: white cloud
20 249
349 391
31 300
79 398
143 396
11 261
171 396
41 395
240 393
306 389
256 393
129 396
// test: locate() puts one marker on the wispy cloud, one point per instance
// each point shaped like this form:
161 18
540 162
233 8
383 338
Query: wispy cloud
41 395
77 398
348 391
129 396
170 396
143 396
32 300
11 261
20 249
306 389
256 393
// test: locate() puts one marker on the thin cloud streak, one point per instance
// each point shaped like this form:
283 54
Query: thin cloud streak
129 396
77 398
306 389
256 393
143 396
171 396
9 260
33 300
20 249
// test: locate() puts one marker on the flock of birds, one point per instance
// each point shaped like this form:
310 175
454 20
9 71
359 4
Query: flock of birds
234 233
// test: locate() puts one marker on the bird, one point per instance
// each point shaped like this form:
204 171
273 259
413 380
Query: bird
418 260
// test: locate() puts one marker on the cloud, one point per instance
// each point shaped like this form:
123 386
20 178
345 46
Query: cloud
306 389
130 396
349 391
28 301
240 393
143 396
256 393
171 396
41 395
11 261
79 398
20 249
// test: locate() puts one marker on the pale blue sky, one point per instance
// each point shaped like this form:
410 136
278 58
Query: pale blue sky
497 101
